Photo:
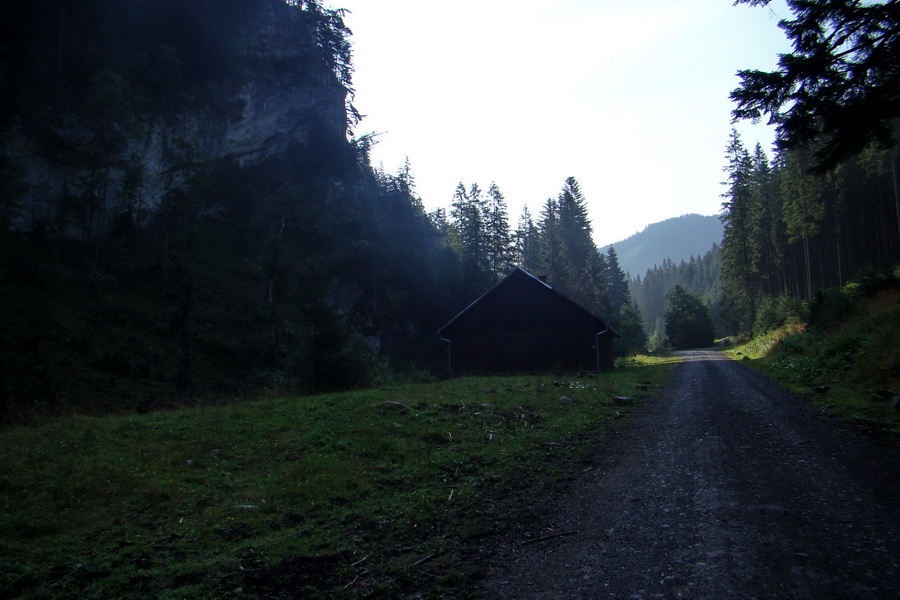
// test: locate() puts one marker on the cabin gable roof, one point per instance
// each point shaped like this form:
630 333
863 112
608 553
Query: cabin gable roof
520 300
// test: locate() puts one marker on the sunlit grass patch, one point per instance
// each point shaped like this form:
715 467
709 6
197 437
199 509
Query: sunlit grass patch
763 345
851 368
652 359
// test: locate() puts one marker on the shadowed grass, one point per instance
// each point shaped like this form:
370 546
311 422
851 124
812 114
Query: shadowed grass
200 502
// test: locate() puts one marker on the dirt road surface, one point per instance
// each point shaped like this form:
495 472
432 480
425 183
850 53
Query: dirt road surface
725 486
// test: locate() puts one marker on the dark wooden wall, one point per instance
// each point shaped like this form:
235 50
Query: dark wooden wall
522 325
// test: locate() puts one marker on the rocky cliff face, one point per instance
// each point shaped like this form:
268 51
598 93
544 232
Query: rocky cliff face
183 216
282 97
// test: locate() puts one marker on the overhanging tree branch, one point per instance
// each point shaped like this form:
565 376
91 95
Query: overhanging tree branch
837 99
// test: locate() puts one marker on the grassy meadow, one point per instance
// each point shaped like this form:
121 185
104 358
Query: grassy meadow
383 492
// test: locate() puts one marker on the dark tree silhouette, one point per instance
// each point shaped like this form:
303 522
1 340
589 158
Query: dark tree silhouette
688 324
838 87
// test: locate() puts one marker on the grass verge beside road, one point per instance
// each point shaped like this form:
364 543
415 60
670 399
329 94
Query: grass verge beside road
848 364
370 493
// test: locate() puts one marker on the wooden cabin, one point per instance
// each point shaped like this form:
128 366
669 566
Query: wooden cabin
523 325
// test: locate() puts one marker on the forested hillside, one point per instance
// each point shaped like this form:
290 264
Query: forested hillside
825 209
790 232
699 276
675 239
827 205
186 215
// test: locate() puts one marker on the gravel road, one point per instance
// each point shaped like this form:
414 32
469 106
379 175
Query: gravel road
725 486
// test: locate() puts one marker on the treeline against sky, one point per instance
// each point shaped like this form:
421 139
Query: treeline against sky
308 271
790 231
304 272
557 246
827 205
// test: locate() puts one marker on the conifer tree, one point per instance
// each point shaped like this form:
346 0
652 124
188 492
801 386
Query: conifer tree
406 183
498 237
618 307
575 234
616 281
766 224
552 263
699 276
468 235
803 210
838 88
438 218
738 250
527 242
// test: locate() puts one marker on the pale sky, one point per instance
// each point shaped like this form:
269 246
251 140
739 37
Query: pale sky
629 97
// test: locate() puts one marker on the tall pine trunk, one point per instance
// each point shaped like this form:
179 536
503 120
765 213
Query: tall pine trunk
896 180
807 266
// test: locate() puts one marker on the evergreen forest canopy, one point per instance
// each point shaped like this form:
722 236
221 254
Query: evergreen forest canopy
827 205
699 277
836 93
164 239
159 244
558 245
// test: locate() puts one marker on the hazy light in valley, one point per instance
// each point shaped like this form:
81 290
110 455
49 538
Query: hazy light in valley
631 98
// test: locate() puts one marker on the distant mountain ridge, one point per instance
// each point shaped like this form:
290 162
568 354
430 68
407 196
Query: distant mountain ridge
678 238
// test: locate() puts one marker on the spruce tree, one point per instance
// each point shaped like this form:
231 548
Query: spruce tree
616 281
469 236
738 250
838 88
527 242
619 310
766 223
803 209
406 184
575 235
498 237
552 261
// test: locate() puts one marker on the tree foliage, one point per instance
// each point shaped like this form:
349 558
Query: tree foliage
828 204
790 231
558 247
308 271
688 323
739 247
838 89
699 276
497 233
